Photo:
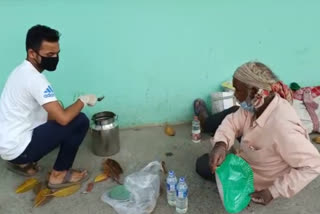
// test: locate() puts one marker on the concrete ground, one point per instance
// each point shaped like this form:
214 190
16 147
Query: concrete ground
139 147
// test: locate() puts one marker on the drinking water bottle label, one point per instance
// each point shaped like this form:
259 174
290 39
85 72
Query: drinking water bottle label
182 194
197 131
196 137
171 187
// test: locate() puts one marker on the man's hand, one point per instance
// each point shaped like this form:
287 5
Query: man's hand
262 197
89 99
217 155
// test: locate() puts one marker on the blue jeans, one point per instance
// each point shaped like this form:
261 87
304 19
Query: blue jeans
51 135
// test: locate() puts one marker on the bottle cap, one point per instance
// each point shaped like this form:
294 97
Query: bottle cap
171 172
182 179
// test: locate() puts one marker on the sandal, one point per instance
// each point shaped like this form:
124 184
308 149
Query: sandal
66 180
23 170
198 106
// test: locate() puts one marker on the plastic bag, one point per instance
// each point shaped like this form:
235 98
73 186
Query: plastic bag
144 188
235 183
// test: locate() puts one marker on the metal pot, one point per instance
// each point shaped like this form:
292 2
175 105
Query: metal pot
105 134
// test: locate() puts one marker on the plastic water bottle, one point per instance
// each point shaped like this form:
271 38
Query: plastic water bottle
171 188
196 130
182 196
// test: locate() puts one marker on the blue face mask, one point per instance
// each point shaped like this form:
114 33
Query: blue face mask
247 107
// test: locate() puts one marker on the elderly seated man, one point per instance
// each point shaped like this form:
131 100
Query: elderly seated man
273 140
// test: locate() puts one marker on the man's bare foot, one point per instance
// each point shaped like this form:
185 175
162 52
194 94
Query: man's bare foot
200 109
57 177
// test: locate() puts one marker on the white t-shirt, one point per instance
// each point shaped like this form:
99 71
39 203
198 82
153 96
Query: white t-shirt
21 111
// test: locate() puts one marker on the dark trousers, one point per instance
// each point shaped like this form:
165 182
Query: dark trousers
51 135
210 126
213 122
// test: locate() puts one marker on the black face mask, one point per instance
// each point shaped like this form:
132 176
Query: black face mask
49 63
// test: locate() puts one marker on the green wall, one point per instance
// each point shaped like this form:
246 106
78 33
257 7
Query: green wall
152 58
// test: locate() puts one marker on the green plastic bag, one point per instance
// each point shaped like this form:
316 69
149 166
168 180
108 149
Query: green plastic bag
235 183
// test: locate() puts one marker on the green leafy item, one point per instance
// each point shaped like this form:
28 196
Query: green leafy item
235 183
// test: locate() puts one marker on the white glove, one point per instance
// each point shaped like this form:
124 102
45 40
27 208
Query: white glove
89 99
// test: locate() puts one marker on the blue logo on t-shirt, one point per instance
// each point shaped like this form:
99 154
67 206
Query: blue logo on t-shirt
48 92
